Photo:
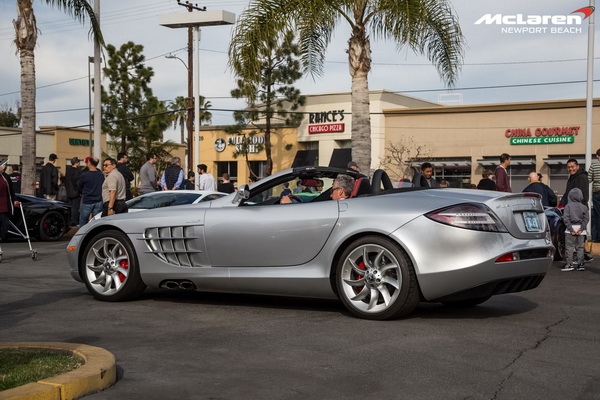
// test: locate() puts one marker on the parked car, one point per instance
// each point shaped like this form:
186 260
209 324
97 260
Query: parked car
47 220
380 252
169 198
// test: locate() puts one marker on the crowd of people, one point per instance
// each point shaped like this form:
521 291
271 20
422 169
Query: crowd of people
92 188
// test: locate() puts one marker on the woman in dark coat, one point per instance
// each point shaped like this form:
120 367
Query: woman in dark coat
7 202
486 183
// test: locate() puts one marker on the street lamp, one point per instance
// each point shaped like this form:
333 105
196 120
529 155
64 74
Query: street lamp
91 126
189 116
195 20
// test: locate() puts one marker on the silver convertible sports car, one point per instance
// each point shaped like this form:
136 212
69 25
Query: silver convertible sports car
381 251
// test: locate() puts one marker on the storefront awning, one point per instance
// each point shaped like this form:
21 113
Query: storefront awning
340 158
488 162
562 160
451 163
305 158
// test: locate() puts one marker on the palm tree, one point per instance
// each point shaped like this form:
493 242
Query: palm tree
25 41
179 107
427 26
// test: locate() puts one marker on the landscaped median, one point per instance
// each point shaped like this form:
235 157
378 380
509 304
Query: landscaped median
98 372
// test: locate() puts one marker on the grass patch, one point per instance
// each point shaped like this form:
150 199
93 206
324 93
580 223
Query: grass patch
21 366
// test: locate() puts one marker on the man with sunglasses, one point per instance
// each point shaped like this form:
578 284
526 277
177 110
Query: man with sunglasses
113 189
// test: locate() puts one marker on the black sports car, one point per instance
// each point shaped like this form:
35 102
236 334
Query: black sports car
47 220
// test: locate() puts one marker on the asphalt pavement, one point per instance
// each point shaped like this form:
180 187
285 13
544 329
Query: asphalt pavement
539 344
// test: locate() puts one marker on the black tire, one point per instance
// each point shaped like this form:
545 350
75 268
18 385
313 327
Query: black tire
466 303
558 240
52 226
388 286
110 268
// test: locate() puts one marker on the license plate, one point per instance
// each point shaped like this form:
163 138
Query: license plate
532 222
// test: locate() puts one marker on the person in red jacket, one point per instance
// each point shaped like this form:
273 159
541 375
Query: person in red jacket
502 181
8 202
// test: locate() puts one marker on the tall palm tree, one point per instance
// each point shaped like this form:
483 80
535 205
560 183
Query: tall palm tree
427 26
179 106
26 38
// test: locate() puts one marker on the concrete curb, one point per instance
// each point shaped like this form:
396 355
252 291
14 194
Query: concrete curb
98 372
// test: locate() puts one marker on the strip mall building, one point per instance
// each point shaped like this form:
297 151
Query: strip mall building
460 141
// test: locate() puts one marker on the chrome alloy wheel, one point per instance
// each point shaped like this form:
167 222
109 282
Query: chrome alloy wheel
107 266
371 277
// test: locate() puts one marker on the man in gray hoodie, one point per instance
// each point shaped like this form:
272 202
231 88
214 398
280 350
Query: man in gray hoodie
576 217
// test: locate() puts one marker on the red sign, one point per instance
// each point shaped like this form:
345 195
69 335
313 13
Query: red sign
327 128
550 131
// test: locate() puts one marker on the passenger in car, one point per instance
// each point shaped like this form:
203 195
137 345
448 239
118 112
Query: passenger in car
340 189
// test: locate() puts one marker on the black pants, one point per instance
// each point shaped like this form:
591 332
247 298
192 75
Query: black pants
4 224
119 207
75 205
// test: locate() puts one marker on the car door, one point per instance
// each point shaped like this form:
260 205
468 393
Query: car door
268 235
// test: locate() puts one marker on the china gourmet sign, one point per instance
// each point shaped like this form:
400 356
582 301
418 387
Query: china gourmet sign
542 135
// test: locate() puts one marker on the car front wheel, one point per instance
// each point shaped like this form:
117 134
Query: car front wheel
376 280
110 268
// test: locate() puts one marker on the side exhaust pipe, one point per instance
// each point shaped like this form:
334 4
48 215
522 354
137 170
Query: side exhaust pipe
187 285
172 285
175 285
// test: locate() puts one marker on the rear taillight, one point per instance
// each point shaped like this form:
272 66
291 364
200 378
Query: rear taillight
468 216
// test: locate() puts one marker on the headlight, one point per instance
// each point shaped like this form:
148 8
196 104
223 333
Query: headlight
477 217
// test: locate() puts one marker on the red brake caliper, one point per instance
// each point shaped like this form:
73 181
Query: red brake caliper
360 265
124 264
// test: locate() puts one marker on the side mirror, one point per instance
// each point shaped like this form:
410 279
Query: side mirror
243 193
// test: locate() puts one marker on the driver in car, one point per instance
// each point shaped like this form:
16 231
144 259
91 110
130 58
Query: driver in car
341 189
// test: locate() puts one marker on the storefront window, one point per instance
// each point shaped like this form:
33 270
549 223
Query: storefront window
229 167
259 168
457 177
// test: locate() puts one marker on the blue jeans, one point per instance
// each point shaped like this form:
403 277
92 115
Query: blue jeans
596 217
86 210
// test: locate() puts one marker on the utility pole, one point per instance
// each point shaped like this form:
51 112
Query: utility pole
190 107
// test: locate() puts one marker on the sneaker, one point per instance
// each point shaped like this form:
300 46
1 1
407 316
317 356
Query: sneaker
588 257
568 267
581 267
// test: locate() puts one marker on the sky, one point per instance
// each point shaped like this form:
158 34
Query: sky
527 66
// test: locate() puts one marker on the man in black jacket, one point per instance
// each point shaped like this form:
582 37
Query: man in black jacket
49 178
72 175
536 186
126 172
577 179
172 178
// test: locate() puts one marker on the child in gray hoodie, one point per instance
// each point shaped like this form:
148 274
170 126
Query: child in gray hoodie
576 217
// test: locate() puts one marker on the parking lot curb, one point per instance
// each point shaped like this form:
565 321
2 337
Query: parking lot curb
98 372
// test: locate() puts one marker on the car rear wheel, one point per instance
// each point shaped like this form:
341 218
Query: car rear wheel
110 268
376 280
52 227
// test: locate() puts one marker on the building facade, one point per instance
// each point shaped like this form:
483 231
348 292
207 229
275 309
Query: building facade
462 141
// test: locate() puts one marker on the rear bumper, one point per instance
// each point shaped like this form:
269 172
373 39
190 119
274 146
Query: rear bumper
460 262
501 286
